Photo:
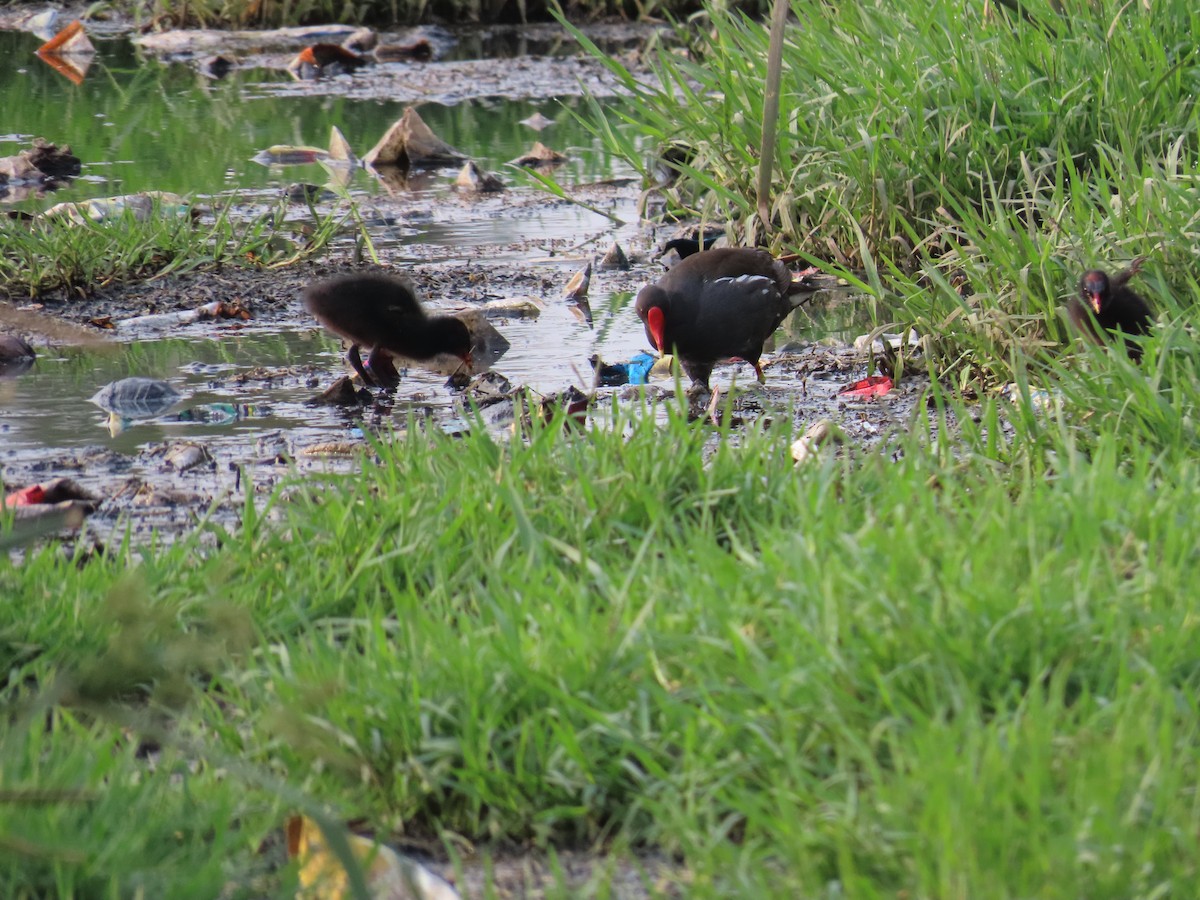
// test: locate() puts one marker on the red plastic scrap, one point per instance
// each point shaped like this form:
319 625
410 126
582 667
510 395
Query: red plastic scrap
875 386
29 496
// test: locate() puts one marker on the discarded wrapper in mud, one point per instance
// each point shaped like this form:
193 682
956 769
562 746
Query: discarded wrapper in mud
866 388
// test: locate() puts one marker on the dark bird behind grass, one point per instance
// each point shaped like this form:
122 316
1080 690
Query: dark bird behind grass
382 312
1109 305
719 304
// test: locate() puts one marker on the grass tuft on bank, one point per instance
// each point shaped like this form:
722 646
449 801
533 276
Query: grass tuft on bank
56 254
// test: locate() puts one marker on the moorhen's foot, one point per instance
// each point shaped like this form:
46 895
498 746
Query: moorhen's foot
382 369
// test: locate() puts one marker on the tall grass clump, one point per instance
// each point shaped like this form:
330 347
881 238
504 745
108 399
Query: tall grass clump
964 162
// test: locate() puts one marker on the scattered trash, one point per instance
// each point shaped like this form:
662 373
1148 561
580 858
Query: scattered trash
539 156
614 258
577 287
814 436
182 457
410 143
874 386
488 388
45 166
636 371
332 448
217 309
43 24
222 413
140 206
418 50
69 52
289 155
474 180
52 493
386 872
136 398
513 308
879 343
362 40
1040 399
537 122
324 61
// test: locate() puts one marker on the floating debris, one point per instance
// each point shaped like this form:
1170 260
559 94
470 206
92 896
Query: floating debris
513 308
361 40
71 41
636 371
339 148
217 309
540 156
614 258
141 207
577 287
289 155
137 398
473 179
324 61
814 436
537 122
419 50
45 162
184 456
411 143
343 392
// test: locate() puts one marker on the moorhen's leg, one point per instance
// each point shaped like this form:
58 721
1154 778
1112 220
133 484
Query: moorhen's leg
356 362
383 370
1122 278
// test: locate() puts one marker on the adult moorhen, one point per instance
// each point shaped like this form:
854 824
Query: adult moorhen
717 304
1111 305
382 312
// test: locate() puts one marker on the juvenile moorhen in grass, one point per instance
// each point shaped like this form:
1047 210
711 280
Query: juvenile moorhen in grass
718 304
1109 304
382 312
